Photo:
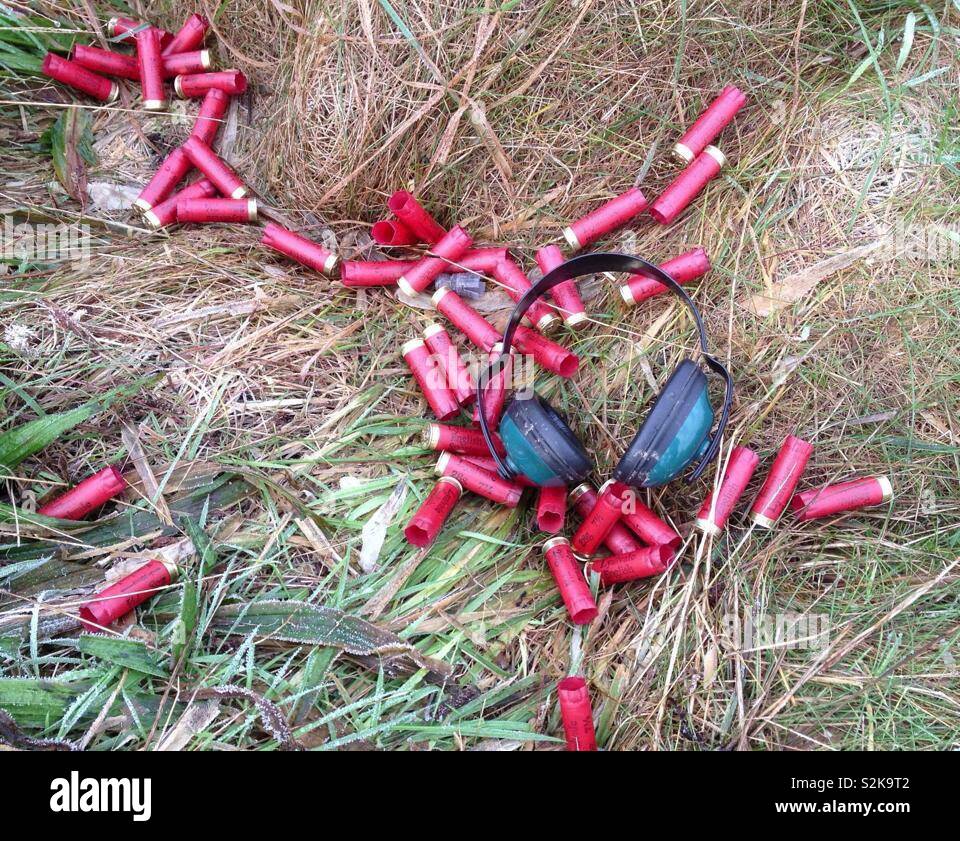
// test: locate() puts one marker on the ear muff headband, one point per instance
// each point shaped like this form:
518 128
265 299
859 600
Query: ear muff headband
590 264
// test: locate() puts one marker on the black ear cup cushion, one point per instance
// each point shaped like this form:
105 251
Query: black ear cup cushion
554 441
661 424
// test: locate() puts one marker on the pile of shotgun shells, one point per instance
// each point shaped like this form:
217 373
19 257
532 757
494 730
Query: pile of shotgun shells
619 539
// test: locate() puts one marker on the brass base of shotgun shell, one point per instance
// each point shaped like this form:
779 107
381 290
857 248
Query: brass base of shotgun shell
707 527
763 521
172 568
452 481
177 88
554 541
886 487
205 61
155 104
142 205
252 210
717 155
545 321
405 286
578 492
152 219
239 193
431 436
683 152
571 238
576 318
114 93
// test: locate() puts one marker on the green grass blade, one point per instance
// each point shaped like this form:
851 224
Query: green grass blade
132 654
23 441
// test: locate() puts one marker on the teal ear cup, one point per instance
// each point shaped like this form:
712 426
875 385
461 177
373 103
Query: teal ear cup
541 446
675 432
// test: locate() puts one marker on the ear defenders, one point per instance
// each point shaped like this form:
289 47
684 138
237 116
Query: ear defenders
675 433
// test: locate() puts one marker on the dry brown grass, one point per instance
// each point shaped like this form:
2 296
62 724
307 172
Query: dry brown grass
512 122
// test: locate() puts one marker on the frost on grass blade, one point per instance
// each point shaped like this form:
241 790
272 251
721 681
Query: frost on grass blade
306 624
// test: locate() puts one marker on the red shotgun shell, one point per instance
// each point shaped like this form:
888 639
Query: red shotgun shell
192 85
495 391
210 116
606 218
644 562
713 517
576 714
688 266
182 64
298 247
597 524
425 524
566 297
455 372
516 284
568 575
480 260
644 523
393 232
222 176
151 70
91 493
170 173
119 26
422 273
619 540
459 439
552 509
781 481
490 465
189 36
710 123
687 185
409 211
77 76
555 358
123 596
429 376
217 210
466 319
844 496
165 213
373 272
128 67
479 481
107 62
486 461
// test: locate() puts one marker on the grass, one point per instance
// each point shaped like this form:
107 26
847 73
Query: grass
512 119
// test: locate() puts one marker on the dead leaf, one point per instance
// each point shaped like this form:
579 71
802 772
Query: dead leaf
710 661
374 531
107 195
795 286
71 145
131 440
195 720
479 118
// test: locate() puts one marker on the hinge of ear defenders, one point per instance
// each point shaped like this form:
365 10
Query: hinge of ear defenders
676 432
